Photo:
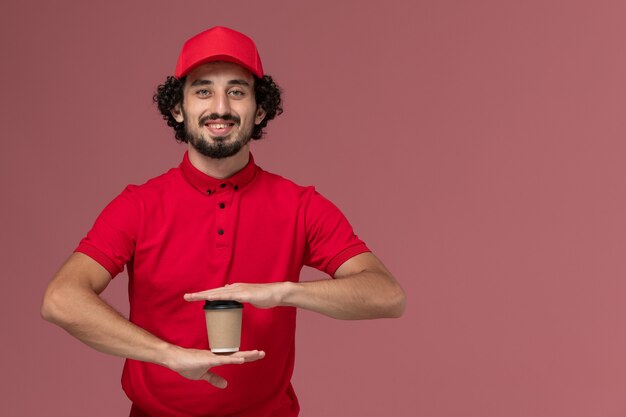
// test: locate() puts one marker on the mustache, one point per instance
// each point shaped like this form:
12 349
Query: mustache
215 116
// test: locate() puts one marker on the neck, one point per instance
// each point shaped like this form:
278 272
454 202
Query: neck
219 168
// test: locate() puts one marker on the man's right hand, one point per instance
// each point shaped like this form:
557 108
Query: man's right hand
72 301
196 364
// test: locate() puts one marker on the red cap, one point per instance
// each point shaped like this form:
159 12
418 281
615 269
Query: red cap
219 44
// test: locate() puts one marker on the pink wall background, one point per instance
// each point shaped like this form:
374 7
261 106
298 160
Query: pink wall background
478 147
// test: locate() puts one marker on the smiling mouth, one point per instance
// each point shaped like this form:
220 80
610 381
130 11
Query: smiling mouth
219 125
219 129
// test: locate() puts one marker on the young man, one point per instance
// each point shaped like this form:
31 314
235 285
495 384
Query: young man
216 227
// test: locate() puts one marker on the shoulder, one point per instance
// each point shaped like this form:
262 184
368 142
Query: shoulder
306 197
154 187
290 195
284 186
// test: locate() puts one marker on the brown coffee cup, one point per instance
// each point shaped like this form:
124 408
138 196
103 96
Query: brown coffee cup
223 323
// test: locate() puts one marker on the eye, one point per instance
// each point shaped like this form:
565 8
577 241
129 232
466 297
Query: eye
236 93
203 92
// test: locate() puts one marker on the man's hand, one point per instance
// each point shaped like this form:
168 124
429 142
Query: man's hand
259 295
72 301
195 364
362 288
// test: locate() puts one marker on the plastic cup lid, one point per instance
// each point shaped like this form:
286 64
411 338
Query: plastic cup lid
221 304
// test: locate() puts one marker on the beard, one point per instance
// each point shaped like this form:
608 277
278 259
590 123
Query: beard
218 147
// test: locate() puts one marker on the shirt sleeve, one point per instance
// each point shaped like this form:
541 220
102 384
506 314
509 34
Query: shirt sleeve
111 241
330 238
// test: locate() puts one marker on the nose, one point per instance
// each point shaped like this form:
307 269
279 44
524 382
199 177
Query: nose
220 104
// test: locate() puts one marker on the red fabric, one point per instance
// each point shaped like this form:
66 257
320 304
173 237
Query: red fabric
219 44
166 231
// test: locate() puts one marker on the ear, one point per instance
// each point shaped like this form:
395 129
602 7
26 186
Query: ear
260 115
177 114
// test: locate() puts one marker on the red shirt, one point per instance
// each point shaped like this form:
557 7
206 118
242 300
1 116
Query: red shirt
185 232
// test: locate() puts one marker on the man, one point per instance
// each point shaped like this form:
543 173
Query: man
216 227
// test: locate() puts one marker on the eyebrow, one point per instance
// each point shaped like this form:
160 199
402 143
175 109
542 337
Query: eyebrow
239 82
209 82
201 82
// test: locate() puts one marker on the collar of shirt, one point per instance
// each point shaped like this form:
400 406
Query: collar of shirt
209 185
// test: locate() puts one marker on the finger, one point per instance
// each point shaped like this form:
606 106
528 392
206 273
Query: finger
237 358
217 360
250 355
222 293
215 380
197 296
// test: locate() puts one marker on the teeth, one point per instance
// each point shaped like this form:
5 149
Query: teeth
218 126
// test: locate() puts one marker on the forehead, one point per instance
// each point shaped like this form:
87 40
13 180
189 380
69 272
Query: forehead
219 71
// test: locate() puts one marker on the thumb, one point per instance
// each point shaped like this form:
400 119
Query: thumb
215 380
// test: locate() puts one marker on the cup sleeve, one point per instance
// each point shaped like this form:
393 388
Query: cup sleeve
111 241
330 239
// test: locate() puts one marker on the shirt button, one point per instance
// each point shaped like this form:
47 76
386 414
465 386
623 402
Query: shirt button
222 205
222 185
236 187
220 232
208 192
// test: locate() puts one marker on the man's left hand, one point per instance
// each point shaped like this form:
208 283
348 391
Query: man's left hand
259 295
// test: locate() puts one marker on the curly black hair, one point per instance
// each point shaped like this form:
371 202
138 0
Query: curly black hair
266 92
